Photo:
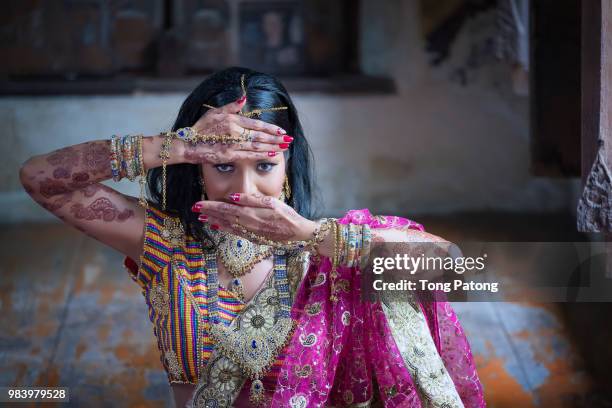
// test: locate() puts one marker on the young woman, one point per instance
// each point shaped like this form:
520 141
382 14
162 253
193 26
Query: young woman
252 299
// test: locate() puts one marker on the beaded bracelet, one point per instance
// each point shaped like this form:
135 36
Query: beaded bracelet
114 158
127 157
366 239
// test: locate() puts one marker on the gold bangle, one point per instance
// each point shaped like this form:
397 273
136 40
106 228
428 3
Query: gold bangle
143 174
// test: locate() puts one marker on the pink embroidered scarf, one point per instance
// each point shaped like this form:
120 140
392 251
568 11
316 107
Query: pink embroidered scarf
337 347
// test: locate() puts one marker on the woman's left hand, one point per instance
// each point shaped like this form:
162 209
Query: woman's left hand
262 215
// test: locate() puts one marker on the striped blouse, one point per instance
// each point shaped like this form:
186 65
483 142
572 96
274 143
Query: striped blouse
175 293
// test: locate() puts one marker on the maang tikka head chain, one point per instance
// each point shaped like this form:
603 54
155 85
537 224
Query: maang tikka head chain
254 112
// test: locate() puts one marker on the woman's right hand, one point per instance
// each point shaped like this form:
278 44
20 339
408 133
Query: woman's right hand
267 139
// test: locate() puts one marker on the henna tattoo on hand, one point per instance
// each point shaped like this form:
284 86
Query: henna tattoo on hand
276 230
57 204
50 188
67 157
92 189
268 201
101 209
61 172
96 157
80 180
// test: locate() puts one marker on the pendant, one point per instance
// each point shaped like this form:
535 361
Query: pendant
237 289
239 255
257 396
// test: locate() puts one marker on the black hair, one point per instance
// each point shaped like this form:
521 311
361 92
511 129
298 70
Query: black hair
223 87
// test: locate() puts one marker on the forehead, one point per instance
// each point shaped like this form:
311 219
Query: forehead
279 158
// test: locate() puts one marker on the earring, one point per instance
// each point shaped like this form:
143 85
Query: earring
286 193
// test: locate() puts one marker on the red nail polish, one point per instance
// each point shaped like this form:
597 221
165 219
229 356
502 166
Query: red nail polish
284 145
203 218
241 99
287 138
235 197
271 154
196 207
214 227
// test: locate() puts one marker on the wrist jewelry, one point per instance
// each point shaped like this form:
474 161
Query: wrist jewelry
191 135
143 173
335 260
365 247
318 236
164 154
115 158
127 157
320 233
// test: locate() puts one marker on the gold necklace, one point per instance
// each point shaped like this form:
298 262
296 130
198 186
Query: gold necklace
238 255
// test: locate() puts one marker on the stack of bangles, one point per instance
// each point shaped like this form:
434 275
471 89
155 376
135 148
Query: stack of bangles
126 158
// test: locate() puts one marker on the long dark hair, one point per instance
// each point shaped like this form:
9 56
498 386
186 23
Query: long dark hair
223 87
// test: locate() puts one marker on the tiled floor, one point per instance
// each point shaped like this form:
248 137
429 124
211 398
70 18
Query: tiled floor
70 316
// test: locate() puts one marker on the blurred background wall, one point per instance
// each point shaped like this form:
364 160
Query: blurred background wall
451 137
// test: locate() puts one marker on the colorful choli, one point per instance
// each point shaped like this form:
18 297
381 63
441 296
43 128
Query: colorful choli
353 353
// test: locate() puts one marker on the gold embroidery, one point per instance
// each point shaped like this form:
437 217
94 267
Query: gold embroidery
348 397
159 299
344 285
313 309
319 280
174 367
413 340
172 231
304 371
220 383
297 265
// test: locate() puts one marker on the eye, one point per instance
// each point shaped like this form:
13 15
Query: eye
224 168
265 167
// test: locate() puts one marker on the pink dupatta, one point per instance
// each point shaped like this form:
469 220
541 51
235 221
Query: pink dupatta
336 348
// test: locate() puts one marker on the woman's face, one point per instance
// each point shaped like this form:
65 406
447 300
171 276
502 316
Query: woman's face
244 176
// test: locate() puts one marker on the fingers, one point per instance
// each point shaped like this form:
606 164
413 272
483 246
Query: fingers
259 140
233 107
248 216
261 126
254 200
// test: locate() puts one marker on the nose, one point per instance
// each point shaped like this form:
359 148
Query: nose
245 183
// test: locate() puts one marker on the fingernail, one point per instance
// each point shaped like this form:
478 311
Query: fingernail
203 218
284 145
287 138
271 154
241 99
235 197
280 131
214 226
196 207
